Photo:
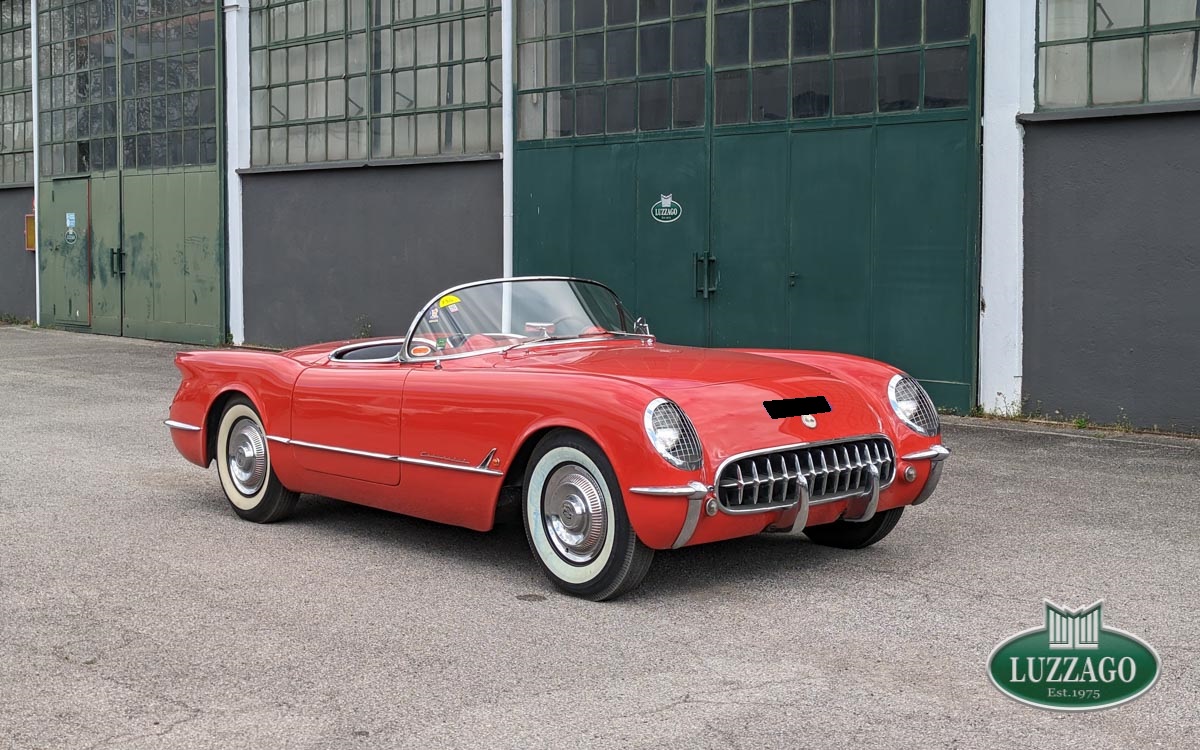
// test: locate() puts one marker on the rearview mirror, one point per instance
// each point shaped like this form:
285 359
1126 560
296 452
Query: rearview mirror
641 326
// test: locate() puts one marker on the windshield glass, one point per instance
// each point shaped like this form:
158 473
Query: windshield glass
505 313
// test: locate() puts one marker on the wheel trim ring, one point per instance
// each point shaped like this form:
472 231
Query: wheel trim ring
574 515
246 457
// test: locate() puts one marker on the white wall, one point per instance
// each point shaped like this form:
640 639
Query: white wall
1009 55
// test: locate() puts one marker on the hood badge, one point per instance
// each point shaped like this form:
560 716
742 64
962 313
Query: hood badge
809 421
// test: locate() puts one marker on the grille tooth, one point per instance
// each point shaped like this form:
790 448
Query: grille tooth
832 471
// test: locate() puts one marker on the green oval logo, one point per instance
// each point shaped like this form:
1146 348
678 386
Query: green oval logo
1073 662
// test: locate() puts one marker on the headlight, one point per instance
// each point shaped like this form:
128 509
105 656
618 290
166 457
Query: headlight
913 405
672 435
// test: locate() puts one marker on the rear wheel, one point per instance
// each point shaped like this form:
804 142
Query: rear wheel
575 520
847 535
244 466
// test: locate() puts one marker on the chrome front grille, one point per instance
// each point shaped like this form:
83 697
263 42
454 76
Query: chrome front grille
833 471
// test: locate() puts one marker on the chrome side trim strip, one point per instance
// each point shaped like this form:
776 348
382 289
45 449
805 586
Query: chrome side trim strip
685 490
386 457
181 425
456 467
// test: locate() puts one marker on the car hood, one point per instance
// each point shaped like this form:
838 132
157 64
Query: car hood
723 391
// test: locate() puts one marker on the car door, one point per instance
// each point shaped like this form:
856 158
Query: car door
346 419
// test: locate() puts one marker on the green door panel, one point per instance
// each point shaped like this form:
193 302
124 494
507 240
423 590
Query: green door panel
137 218
602 237
588 212
542 225
174 266
831 240
106 261
750 239
63 252
664 287
922 319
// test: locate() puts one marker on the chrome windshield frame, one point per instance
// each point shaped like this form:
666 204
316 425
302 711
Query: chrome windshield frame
412 328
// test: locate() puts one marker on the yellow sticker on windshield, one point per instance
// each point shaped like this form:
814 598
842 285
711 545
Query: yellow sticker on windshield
448 300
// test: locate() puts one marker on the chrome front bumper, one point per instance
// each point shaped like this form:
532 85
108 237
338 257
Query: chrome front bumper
859 509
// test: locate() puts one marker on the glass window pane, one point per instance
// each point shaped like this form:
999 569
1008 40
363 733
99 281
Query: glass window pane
560 114
1063 19
475 131
770 93
452 133
531 19
1173 66
810 89
622 11
622 53
589 111
529 116
731 89
689 44
589 57
1173 11
558 62
899 81
654 47
1062 76
427 88
899 23
946 77
653 10
621 113
558 19
404 136
589 14
1120 14
770 34
1117 71
948 20
733 38
688 101
531 66
855 27
854 86
475 83
654 105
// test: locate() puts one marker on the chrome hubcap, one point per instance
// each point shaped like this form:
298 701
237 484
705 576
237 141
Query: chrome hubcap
247 455
574 514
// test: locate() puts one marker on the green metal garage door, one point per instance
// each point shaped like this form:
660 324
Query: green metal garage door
129 213
800 175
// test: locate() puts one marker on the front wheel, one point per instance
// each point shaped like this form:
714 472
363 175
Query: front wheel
244 466
575 520
848 535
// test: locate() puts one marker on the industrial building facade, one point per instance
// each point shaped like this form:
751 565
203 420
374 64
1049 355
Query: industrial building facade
835 174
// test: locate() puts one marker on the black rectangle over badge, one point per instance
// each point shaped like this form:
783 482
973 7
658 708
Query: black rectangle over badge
797 407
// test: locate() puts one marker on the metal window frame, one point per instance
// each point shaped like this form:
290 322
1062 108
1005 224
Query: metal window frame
489 11
831 56
24 90
1145 31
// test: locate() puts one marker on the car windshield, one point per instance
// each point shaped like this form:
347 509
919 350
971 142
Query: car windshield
504 313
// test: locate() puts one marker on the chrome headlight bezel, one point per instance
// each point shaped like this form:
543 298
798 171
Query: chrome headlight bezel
691 457
914 418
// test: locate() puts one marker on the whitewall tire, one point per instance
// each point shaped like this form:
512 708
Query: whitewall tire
575 519
243 457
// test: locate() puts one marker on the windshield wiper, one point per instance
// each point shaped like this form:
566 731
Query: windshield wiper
543 339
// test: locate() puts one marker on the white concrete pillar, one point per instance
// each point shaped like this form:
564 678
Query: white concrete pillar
1008 78
237 140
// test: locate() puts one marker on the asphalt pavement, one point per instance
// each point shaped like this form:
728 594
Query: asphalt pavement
137 611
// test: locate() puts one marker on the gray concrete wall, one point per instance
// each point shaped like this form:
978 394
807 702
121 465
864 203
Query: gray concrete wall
17 280
1112 269
330 252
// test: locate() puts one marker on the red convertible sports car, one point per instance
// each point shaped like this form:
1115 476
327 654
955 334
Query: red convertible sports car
546 393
